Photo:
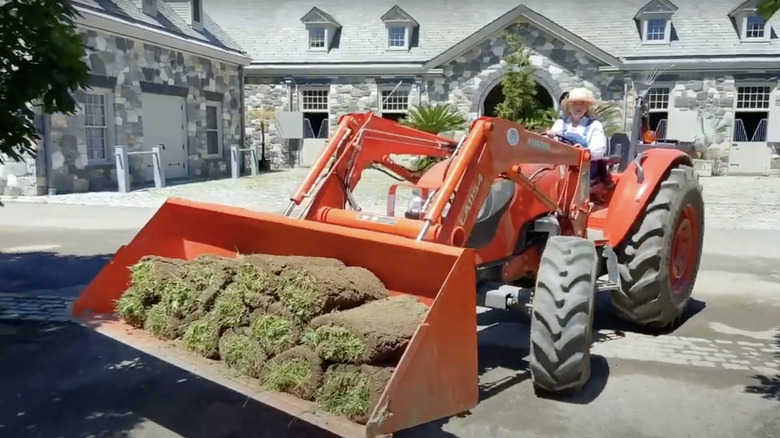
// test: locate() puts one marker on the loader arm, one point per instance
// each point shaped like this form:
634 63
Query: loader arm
360 140
494 148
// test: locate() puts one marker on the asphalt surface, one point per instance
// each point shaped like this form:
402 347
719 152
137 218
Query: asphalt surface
718 375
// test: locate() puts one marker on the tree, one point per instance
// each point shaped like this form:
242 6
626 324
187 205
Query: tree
41 54
767 8
519 86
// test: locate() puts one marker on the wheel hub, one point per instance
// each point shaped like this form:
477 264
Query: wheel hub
684 250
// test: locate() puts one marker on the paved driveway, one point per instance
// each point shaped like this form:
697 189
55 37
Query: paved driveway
718 375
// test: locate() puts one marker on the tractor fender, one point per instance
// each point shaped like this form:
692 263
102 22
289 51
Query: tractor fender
632 194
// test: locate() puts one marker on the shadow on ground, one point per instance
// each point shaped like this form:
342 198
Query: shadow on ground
65 380
36 271
768 387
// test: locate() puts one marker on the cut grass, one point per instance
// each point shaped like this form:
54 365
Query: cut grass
345 392
297 371
241 353
132 307
229 310
300 294
335 343
202 337
162 324
254 283
275 333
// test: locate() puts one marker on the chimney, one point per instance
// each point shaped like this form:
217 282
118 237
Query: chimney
149 7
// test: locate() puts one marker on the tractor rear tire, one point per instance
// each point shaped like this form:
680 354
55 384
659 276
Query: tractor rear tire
562 316
659 263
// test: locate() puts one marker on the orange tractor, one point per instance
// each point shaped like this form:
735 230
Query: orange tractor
509 218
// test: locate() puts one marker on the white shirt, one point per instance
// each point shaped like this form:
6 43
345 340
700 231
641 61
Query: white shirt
597 140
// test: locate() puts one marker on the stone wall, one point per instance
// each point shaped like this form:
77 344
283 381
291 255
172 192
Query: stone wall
129 68
559 67
18 178
346 95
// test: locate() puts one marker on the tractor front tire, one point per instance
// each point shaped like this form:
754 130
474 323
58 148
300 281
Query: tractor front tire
659 262
562 316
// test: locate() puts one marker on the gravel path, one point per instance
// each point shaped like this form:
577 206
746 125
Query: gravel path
732 202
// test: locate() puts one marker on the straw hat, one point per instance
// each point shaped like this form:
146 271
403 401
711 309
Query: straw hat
580 94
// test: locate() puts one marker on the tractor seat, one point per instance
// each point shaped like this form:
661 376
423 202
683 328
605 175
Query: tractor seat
491 211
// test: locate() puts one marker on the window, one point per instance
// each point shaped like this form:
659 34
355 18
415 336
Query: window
751 113
753 98
317 38
314 106
314 100
395 103
213 139
755 27
656 29
658 108
397 36
197 8
96 123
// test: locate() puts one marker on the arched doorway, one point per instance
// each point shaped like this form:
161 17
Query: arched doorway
496 95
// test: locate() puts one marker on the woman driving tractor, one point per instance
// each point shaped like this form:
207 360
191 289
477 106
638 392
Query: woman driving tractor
578 125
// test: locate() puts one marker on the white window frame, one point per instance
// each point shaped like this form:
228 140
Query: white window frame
407 29
220 149
109 126
667 29
739 86
385 103
327 32
764 37
197 14
302 92
667 92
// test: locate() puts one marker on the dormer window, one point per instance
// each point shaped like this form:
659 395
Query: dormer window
400 27
750 26
322 29
197 14
755 27
655 21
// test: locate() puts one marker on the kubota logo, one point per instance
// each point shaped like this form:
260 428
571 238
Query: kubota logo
538 144
470 201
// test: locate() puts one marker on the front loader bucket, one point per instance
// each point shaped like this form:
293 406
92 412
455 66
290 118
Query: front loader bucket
435 378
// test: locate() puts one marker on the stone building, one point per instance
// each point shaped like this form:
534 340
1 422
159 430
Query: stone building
330 57
161 72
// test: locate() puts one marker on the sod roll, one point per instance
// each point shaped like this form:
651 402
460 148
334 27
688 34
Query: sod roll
297 371
376 332
202 337
276 330
241 353
314 290
278 264
353 391
208 276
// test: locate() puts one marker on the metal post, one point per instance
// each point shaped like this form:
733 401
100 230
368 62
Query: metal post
253 157
122 169
234 161
157 166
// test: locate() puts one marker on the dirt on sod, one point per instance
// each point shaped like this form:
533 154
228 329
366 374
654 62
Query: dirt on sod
353 391
311 291
297 371
209 275
376 332
279 264
202 337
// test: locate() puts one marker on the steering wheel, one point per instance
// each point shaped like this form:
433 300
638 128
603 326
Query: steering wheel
563 139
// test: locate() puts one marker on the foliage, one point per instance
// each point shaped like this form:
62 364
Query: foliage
519 86
610 117
41 54
436 118
767 8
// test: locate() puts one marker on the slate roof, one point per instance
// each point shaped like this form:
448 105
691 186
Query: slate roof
270 31
168 19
